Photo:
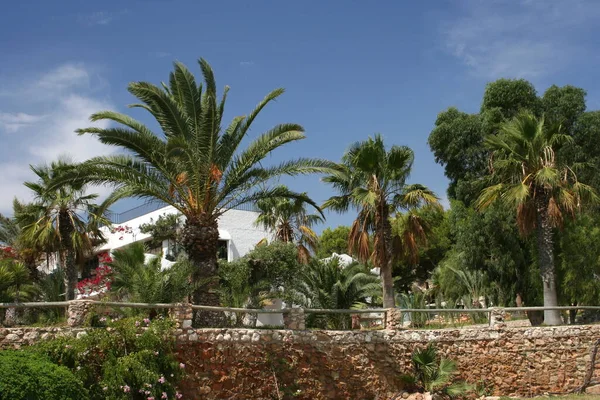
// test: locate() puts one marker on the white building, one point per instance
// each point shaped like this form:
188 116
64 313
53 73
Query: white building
237 231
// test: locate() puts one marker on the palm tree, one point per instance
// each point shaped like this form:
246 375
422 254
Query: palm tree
434 374
290 222
373 181
327 285
12 236
64 216
543 189
195 165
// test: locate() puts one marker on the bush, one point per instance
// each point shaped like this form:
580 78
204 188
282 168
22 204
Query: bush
28 376
130 359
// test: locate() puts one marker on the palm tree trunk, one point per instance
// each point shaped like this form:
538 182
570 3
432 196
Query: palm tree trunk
384 253
66 244
546 259
200 237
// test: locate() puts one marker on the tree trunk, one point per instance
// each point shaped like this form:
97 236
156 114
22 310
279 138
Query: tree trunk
66 248
384 253
546 259
200 237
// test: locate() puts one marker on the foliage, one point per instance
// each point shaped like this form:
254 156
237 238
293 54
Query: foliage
333 241
327 285
268 271
29 376
290 222
51 287
165 228
15 282
195 164
435 227
372 180
578 266
489 240
68 219
434 374
123 362
135 280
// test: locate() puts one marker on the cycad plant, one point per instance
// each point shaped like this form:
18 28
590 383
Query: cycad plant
290 222
434 374
195 164
373 180
529 176
327 285
139 281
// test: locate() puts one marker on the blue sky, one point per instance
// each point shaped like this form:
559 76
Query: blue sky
350 68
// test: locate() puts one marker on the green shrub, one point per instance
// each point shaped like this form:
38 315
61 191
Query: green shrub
130 359
28 376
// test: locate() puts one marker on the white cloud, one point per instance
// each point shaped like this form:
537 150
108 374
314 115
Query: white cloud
99 17
64 77
12 122
246 63
40 129
526 39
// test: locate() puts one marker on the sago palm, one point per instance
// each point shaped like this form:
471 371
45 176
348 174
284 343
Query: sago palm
196 164
63 216
138 280
290 222
372 180
327 285
529 177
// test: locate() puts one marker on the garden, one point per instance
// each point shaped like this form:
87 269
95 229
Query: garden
521 231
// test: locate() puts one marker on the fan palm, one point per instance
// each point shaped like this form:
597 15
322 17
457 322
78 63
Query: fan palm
12 235
196 165
64 216
290 222
373 181
327 285
434 374
543 189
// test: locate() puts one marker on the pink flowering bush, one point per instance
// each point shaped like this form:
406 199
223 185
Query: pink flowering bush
101 280
125 362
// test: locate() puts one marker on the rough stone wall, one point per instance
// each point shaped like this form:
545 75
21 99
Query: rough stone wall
367 365
256 364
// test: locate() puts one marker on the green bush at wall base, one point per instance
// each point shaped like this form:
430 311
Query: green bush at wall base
28 376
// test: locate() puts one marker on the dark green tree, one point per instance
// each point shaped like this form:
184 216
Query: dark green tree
333 241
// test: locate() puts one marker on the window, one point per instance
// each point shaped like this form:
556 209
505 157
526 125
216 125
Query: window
222 250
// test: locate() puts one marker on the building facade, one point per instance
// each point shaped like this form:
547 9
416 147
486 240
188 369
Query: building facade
237 232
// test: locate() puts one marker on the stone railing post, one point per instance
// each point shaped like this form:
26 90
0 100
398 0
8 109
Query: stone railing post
355 321
394 319
78 311
293 318
497 316
182 313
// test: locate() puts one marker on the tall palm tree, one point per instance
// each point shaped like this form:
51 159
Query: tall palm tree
373 181
196 165
290 222
63 215
543 189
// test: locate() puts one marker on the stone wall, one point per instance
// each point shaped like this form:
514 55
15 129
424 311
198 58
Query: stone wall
238 363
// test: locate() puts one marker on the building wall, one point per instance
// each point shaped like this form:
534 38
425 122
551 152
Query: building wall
316 364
